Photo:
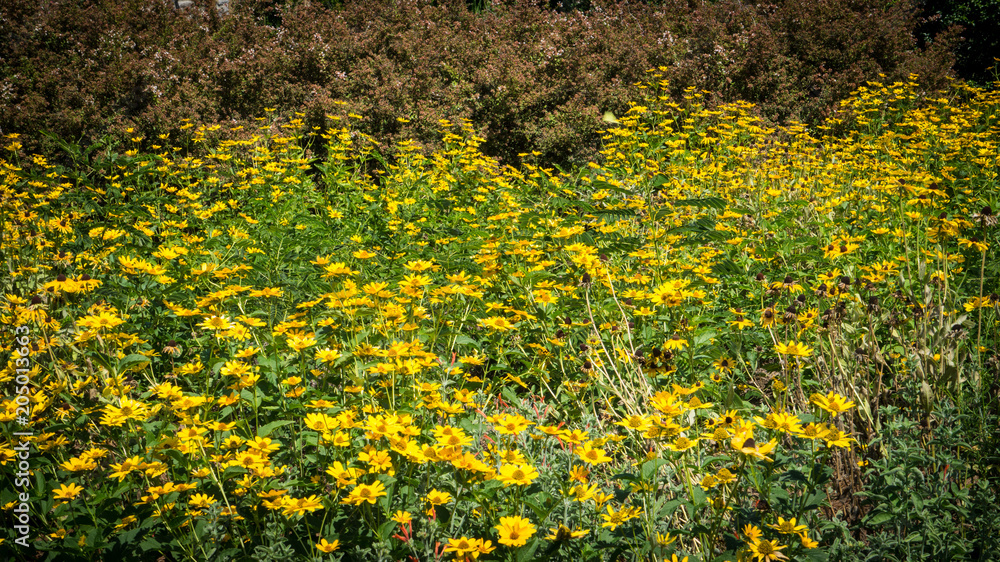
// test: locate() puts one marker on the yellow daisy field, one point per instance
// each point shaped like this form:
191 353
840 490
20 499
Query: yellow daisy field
704 345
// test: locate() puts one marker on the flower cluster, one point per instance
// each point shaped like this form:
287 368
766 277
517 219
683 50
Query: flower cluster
443 357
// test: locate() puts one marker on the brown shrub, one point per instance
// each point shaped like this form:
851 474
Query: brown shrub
796 59
529 78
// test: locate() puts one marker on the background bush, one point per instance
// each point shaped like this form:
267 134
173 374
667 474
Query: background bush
980 32
531 76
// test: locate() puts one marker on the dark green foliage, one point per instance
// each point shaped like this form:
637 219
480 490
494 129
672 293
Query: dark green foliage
930 489
980 23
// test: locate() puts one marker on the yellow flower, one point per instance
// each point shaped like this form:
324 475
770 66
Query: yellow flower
201 501
795 349
436 497
590 455
768 317
564 533
725 476
666 539
327 355
267 292
765 550
788 527
814 431
752 533
126 521
263 444
102 321
583 492
978 302
744 442
129 410
517 474
709 481
62 283
615 518
974 243
300 340
515 531
378 461
579 474
321 422
451 436
215 323
783 422
506 424
124 468
462 547
345 476
724 364
326 546
836 438
418 266
497 323
682 444
807 542
365 493
741 321
339 268
412 285
675 343
67 492
832 402
636 422
483 547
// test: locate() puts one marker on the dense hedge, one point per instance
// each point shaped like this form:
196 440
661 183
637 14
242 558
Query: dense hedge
979 20
530 78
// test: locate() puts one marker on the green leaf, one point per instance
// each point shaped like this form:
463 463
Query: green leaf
626 476
699 496
661 213
232 472
668 508
794 475
509 395
601 184
249 397
651 468
704 337
814 501
913 537
926 397
133 360
310 438
267 429
702 203
526 553
127 537
726 267
541 511
466 340
385 529
878 518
